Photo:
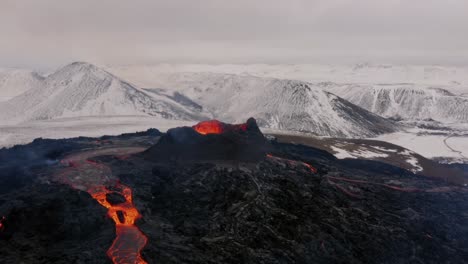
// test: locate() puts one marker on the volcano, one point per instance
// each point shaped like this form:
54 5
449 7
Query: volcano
219 193
277 104
211 140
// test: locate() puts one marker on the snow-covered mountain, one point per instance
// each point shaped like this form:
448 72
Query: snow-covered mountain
14 82
276 104
82 89
454 79
410 92
405 101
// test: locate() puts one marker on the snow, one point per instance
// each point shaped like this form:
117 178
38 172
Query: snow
341 153
429 145
276 104
413 161
82 126
405 101
460 144
285 98
369 154
360 152
385 149
14 82
81 89
454 79
347 150
411 92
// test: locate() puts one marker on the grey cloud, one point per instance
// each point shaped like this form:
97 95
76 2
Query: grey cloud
51 32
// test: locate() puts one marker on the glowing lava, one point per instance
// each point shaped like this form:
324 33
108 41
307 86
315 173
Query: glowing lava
2 226
97 179
129 240
217 127
294 162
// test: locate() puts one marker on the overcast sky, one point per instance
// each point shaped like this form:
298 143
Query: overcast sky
48 33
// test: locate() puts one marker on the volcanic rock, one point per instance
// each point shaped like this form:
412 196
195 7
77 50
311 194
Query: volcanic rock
115 198
211 140
259 209
53 224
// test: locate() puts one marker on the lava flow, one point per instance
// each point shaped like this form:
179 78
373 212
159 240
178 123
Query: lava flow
217 127
97 180
294 162
129 240
2 226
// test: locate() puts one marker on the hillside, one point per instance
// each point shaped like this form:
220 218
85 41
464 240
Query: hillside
276 104
81 89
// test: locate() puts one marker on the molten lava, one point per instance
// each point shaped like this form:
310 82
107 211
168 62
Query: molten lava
2 226
97 180
124 216
294 162
217 127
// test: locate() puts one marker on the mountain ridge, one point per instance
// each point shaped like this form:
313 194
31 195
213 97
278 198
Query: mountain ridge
14 82
406 101
277 104
82 89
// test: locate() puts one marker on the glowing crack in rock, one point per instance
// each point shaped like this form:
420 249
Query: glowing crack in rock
294 162
97 179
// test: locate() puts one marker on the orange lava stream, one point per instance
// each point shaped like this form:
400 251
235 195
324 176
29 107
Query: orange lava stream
294 162
217 127
128 236
97 179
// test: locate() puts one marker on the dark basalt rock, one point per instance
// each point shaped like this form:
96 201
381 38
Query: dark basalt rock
238 207
53 224
274 212
186 144
115 198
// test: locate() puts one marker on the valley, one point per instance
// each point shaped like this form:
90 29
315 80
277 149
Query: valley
419 111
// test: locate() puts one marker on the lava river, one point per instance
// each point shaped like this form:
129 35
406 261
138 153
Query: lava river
97 179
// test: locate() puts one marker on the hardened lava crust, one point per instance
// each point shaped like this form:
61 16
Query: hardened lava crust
285 203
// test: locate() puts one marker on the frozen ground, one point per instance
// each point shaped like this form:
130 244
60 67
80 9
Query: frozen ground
450 144
445 146
433 144
83 126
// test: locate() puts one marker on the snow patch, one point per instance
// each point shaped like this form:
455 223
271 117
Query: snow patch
341 153
413 161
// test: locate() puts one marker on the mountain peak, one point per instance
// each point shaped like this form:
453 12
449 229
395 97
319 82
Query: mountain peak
80 66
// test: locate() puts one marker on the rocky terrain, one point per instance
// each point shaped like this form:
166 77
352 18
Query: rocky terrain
296 204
